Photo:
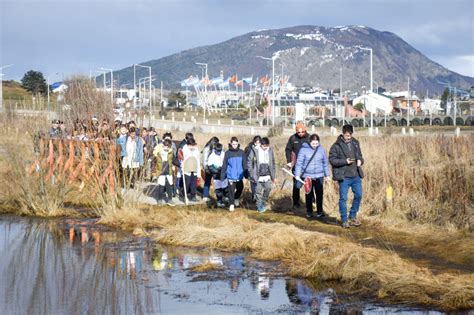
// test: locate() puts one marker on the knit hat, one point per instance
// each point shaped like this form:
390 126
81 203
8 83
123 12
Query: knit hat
300 127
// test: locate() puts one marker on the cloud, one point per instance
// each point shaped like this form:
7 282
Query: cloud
78 35
437 31
462 64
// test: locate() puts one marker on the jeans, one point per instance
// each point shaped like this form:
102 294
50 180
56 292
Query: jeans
317 189
263 192
235 190
207 185
355 183
253 189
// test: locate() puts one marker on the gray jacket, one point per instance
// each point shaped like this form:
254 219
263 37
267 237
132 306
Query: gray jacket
253 165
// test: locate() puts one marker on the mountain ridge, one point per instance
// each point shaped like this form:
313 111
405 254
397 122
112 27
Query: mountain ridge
312 55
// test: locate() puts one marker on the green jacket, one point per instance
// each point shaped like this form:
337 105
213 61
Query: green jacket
159 161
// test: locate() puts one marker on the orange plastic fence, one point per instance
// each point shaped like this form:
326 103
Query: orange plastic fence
83 162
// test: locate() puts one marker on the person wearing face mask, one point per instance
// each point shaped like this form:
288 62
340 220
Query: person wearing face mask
214 167
262 172
55 131
251 148
291 153
233 169
346 159
121 141
133 159
312 162
164 169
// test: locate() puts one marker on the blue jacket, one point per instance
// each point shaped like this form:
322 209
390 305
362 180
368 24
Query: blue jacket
122 141
319 166
234 165
139 153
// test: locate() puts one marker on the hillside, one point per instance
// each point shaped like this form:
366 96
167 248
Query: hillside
312 55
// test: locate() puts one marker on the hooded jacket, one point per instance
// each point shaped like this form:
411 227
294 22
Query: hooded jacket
338 155
234 164
253 164
159 160
319 165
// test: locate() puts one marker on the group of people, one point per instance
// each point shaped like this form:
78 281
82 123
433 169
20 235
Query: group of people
178 167
310 164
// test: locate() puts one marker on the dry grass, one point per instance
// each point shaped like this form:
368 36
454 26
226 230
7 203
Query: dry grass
368 271
432 179
433 183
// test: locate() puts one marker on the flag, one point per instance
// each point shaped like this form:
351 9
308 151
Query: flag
248 80
263 79
189 81
224 84
216 81
205 81
239 83
233 79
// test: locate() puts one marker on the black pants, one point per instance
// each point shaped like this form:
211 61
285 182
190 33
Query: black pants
220 192
318 190
235 190
296 194
191 187
168 188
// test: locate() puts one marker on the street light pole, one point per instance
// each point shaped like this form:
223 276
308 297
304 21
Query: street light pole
149 86
272 99
340 94
205 90
273 91
371 86
111 83
1 84
408 103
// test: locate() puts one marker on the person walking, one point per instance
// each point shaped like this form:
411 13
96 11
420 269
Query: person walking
312 162
133 159
206 152
346 159
233 169
164 155
291 152
251 149
191 169
214 167
262 171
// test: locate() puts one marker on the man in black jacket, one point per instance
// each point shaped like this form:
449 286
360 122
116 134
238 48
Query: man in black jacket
291 151
346 159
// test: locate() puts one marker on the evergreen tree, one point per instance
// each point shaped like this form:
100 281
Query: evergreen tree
444 98
34 82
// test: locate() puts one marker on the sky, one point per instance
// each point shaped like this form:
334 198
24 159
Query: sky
65 37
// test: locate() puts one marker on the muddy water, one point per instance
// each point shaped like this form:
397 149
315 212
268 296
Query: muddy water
77 267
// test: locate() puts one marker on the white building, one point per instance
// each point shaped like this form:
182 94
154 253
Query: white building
374 103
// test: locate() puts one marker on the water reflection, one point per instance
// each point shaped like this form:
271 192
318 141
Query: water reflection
73 266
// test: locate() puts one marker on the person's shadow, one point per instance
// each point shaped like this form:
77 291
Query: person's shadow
284 205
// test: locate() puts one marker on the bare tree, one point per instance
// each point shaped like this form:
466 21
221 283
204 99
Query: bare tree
84 100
